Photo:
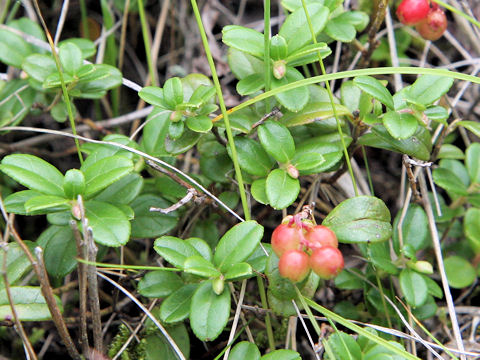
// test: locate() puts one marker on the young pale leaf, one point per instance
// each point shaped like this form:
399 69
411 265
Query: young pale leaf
295 99
414 287
375 88
251 84
154 96
105 172
305 161
159 283
34 173
259 190
73 183
176 307
237 244
340 30
173 92
244 39
471 227
13 49
70 57
282 190
472 126
472 162
197 265
295 29
278 47
400 125
243 64
174 250
59 250
245 350
277 141
429 88
30 305
103 78
308 54
110 225
209 312
39 66
360 219
238 271
200 124
252 157
449 151
449 181
433 288
460 272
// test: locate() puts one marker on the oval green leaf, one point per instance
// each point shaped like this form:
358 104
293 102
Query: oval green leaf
414 287
282 190
159 283
460 273
252 157
277 141
375 88
174 250
176 307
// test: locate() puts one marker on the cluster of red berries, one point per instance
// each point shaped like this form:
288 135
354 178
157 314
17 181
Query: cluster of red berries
303 246
430 21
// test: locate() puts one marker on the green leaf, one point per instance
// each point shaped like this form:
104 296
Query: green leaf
332 153
360 219
245 350
472 126
13 49
34 173
414 229
295 29
278 47
340 30
86 46
15 203
251 84
123 191
400 125
159 283
449 151
158 347
16 264
103 78
39 66
209 312
449 181
149 224
197 265
282 190
174 250
281 354
30 305
437 113
414 287
105 172
259 190
293 100
472 162
344 346
304 161
375 88
173 92
59 250
46 203
471 227
433 288
201 124
70 57
201 246
252 157
244 39
185 142
238 271
243 64
277 141
176 307
460 273
155 132
73 183
429 88
154 96
109 224
308 54
237 244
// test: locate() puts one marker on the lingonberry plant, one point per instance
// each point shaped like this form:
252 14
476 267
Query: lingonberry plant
157 233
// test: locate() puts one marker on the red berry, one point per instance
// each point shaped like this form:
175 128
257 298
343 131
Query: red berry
410 12
433 27
285 237
293 265
326 262
319 236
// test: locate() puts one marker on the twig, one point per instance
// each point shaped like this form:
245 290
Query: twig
61 21
274 113
236 317
310 340
441 267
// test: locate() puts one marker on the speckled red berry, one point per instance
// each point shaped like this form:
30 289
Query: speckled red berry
294 265
319 236
285 237
433 27
410 12
326 262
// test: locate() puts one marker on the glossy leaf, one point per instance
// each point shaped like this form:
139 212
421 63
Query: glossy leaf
472 162
45 204
278 47
59 250
251 84
209 312
30 305
109 224
243 64
472 126
282 354
154 96
277 141
13 49
15 203
158 347
305 161
360 219
155 132
460 273
344 346
176 307
340 30
252 157
400 125
70 57
375 88
313 112
308 54
245 350
259 190
73 183
173 92
159 283
429 88
174 250
237 244
238 271
197 265
39 66
123 191
415 229
449 151
449 181
201 124
185 142
295 99
281 189
33 173
201 246
243 39
414 287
